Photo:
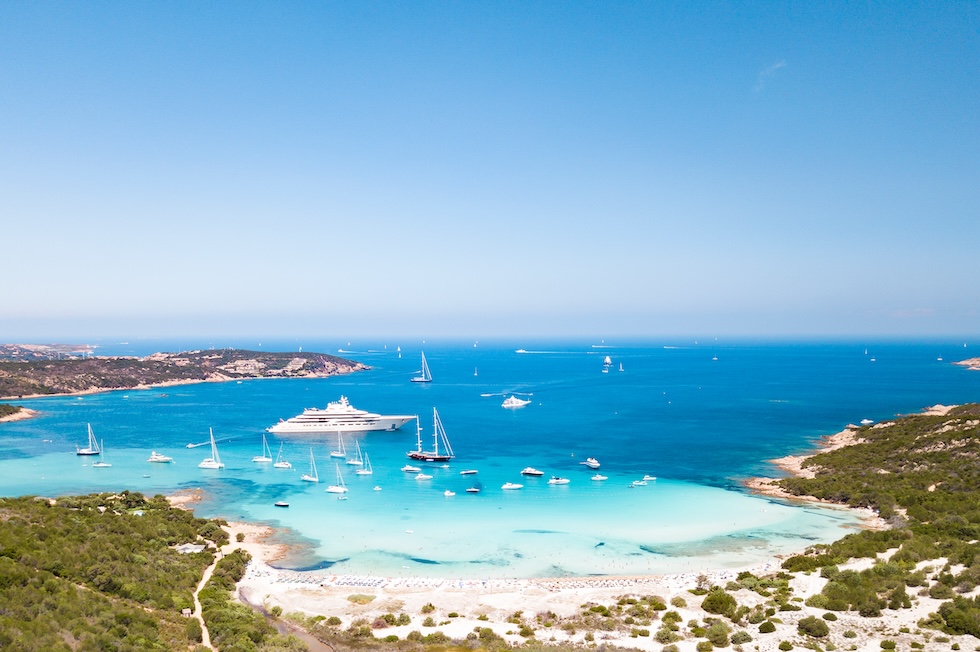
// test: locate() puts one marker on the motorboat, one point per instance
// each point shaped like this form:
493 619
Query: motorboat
423 476
408 468
649 478
473 490
448 493
638 483
339 416
511 485
530 470
468 472
556 480
514 402
159 458
598 477
591 462
281 503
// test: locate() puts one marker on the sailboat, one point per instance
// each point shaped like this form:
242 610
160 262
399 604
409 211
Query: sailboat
366 469
312 476
341 451
266 455
358 459
93 445
281 463
340 487
426 377
438 433
620 366
101 464
213 462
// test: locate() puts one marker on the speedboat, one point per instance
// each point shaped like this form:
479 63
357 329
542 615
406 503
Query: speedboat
556 480
408 468
447 493
473 490
599 477
281 503
638 483
649 478
514 402
423 476
591 462
512 485
530 470
159 457
338 416
467 472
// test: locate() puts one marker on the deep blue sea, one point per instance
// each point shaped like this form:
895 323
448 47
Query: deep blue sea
698 415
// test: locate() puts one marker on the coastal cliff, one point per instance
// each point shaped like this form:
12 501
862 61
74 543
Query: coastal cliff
20 378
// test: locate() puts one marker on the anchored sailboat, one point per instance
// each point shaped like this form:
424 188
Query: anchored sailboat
102 464
426 376
340 487
93 444
341 451
438 434
213 462
312 476
266 455
366 469
358 459
281 463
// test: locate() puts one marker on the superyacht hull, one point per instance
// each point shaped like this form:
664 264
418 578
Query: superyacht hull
291 427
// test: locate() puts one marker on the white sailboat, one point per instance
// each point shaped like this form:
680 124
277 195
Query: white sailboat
312 476
102 464
341 451
438 434
281 463
93 444
426 376
213 462
366 469
358 459
340 487
266 455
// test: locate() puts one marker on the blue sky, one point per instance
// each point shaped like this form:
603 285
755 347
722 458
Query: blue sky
489 168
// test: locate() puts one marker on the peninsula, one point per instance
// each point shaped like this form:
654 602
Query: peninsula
37 374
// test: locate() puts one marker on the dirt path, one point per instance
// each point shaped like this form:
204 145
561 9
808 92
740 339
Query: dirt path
205 635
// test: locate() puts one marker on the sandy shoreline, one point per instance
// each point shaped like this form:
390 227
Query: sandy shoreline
461 605
24 413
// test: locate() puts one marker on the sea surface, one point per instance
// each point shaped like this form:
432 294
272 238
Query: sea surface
700 416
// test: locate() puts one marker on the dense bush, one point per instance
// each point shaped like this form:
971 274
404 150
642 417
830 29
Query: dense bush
813 626
719 602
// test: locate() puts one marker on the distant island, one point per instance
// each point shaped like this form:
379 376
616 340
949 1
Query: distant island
45 370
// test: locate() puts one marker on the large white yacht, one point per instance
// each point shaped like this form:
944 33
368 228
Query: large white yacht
338 416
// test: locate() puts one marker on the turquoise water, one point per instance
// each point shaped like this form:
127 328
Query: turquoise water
698 416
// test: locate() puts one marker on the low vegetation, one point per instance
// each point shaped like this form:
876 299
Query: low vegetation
922 474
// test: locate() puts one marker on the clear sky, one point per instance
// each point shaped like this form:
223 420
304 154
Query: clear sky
489 168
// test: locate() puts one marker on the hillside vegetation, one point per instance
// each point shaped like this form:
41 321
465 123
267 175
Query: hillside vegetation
20 378
922 473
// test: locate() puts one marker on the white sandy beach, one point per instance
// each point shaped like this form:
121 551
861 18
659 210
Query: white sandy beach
478 603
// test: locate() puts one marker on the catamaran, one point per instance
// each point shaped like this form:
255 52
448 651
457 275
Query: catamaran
425 376
438 433
93 444
266 455
312 476
213 462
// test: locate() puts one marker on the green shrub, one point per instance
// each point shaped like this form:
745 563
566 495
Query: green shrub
428 608
785 645
741 637
719 602
678 602
887 645
813 626
850 634
333 621
428 622
830 615
704 646
767 627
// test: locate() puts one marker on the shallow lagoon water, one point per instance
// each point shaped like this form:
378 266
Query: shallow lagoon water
698 417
